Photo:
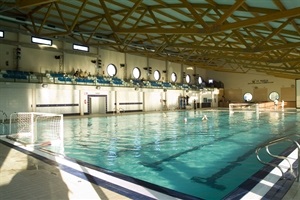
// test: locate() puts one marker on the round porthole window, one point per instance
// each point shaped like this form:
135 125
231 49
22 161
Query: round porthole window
273 96
111 70
174 77
156 75
200 80
188 78
248 97
136 73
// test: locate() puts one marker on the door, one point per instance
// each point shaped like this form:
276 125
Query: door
97 104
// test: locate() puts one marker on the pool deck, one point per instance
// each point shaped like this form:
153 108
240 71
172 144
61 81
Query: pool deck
23 176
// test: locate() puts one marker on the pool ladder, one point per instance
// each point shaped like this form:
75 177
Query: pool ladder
266 145
119 110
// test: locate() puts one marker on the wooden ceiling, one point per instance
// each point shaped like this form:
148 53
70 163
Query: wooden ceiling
239 36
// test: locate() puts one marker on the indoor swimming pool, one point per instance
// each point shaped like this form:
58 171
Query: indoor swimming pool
178 150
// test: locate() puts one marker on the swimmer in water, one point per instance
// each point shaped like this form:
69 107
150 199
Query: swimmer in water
204 118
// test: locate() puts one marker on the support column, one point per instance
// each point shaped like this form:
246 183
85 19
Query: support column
116 109
82 102
144 103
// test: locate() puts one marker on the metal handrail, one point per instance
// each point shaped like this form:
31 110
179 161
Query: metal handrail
4 118
118 110
267 144
3 115
10 121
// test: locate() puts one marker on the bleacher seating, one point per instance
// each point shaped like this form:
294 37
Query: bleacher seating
137 82
84 80
183 86
166 84
155 84
15 74
56 75
117 81
65 79
102 80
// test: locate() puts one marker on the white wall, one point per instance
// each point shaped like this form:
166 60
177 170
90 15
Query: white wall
133 61
7 57
16 98
74 99
153 100
173 67
250 82
159 65
57 100
73 62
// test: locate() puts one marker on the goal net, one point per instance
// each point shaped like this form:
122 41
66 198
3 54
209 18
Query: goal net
235 107
36 128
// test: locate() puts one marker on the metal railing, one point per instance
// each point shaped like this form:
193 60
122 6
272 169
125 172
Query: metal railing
3 119
119 110
276 141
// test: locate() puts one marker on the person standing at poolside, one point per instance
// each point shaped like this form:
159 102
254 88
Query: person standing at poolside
275 104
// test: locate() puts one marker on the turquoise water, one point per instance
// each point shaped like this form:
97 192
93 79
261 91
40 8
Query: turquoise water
177 150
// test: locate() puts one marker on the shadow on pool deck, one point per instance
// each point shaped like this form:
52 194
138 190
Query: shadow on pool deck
25 177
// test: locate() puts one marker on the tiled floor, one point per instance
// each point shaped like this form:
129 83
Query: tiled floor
24 177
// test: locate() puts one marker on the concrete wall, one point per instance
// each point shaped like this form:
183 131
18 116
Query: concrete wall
259 85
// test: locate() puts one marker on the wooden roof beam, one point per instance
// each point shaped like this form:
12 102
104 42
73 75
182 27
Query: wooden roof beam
194 13
132 10
74 23
276 31
217 29
107 15
230 12
31 3
257 20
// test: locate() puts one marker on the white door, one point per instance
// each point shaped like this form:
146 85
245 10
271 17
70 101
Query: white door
98 105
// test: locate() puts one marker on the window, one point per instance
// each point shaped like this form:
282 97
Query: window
156 75
247 96
200 80
174 77
273 96
111 70
188 78
80 47
136 73
1 34
41 41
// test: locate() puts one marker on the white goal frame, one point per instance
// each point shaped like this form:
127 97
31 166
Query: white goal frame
244 107
27 123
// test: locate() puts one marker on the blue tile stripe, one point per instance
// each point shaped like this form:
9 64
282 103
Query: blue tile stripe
56 105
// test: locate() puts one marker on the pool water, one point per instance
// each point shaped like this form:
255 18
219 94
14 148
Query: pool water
177 150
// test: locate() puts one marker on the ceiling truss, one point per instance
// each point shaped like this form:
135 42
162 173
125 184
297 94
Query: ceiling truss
240 37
